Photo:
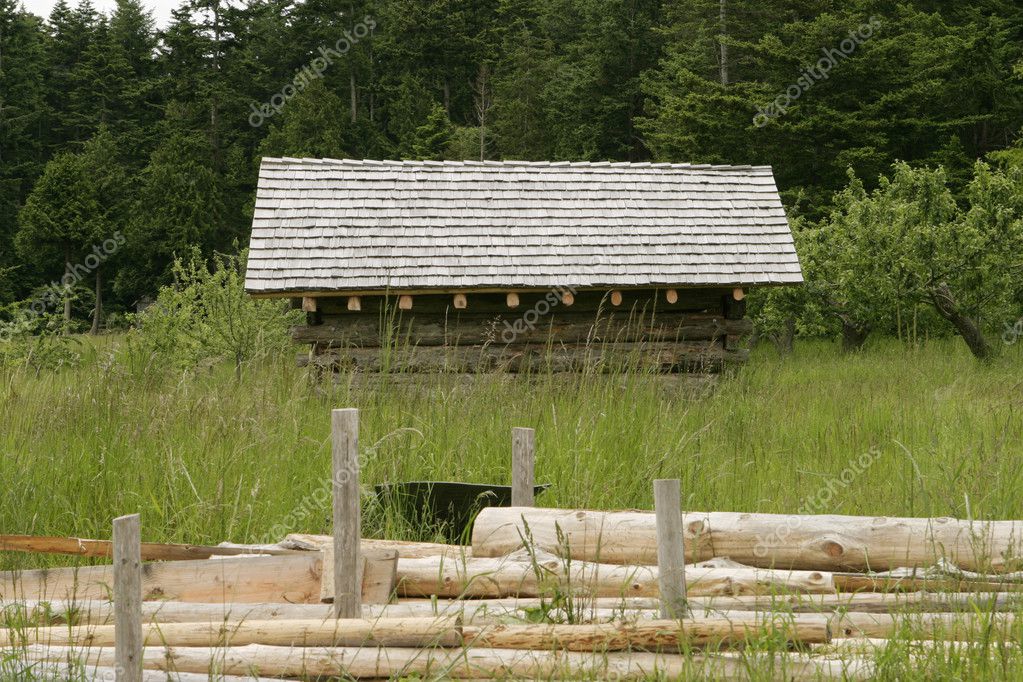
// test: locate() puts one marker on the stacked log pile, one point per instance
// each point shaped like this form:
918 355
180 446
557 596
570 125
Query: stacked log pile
540 593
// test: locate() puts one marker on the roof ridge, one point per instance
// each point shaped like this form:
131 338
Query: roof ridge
509 163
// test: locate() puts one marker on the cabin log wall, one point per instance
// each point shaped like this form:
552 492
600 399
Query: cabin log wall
700 332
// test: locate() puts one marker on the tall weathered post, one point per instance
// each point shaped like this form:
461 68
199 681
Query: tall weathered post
671 558
523 466
127 551
347 513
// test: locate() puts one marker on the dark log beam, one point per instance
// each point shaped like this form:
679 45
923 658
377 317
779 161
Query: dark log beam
470 328
655 358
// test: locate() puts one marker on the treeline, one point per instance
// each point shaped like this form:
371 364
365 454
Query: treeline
116 133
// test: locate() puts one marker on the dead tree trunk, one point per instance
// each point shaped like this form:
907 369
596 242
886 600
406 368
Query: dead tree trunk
97 312
946 305
853 335
785 339
67 292
722 16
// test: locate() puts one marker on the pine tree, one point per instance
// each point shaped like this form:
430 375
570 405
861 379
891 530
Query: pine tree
22 119
179 207
434 136
309 126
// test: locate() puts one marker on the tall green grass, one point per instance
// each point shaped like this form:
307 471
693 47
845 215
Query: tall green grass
206 457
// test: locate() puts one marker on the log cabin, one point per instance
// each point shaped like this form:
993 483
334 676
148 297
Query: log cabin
518 266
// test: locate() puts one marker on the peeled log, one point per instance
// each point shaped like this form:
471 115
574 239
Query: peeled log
96 612
516 576
825 543
651 634
469 663
446 632
405 549
401 632
46 670
294 579
151 551
933 626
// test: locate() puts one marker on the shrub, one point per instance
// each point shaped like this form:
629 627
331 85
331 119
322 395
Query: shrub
205 317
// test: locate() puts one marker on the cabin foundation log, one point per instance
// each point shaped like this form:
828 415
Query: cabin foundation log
660 358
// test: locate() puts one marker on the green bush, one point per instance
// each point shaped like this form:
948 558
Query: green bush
35 339
206 316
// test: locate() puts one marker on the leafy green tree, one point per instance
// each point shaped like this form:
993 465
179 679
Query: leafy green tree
54 223
908 243
77 212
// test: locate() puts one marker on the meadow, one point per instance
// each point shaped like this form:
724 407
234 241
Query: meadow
205 456
210 454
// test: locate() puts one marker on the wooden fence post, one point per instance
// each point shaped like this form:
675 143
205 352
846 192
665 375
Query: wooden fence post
127 551
347 510
523 465
671 558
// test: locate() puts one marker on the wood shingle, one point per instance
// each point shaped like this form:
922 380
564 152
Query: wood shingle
337 225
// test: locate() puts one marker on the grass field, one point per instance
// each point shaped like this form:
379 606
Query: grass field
205 457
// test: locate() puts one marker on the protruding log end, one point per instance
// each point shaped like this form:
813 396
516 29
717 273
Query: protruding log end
616 298
460 301
568 298
354 303
738 294
512 299
405 302
671 295
308 304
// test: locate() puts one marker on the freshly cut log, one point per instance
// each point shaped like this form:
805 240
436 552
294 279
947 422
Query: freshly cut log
293 579
151 551
402 632
44 670
472 663
651 634
446 632
940 626
517 575
101 612
379 574
871 646
868 602
849 582
826 543
97 612
405 550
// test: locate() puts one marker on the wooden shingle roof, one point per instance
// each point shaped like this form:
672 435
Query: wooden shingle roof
342 225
